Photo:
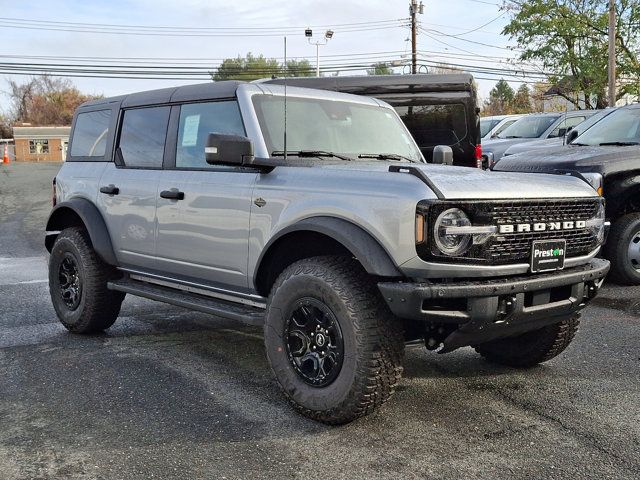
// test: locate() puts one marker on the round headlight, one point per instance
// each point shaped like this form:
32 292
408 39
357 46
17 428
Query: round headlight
452 244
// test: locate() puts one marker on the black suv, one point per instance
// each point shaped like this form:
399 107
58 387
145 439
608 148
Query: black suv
607 155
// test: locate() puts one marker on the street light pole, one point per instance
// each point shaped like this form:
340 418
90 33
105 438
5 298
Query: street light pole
328 35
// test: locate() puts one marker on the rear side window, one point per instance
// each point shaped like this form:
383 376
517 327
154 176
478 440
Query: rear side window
90 134
199 120
433 125
142 136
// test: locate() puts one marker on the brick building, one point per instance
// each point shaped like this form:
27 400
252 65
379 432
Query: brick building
41 144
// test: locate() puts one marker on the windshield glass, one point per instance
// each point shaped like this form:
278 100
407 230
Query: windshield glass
343 128
619 126
486 124
532 126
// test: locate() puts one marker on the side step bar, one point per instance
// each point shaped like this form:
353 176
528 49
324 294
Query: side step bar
201 303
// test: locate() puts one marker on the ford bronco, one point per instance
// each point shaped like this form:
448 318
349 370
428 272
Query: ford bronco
313 214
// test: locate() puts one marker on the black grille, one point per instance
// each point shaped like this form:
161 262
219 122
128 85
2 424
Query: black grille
508 248
511 247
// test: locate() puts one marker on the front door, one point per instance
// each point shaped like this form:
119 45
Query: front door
203 232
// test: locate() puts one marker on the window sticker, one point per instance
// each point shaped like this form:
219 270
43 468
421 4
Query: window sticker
190 131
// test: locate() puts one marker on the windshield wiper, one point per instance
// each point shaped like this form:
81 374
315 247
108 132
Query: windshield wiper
310 153
513 136
386 156
578 144
618 144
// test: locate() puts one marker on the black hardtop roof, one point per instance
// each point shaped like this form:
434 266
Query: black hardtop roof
185 93
372 84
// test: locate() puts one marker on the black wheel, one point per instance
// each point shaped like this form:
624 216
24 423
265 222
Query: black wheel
332 343
623 250
78 284
531 348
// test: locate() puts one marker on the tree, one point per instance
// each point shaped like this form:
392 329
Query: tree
501 99
569 38
522 100
44 100
380 68
252 68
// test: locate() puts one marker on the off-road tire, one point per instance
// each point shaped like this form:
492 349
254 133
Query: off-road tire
531 348
98 307
373 339
623 231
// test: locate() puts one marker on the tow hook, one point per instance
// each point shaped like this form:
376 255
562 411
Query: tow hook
506 307
591 289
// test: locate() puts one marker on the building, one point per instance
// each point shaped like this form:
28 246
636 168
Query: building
40 144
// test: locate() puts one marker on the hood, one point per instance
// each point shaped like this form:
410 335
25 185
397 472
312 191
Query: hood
534 145
498 146
465 183
605 160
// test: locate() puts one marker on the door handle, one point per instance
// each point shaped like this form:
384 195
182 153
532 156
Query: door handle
173 194
110 190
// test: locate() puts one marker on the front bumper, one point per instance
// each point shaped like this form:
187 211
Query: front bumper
493 308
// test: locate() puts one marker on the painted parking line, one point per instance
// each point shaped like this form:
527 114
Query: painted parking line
25 270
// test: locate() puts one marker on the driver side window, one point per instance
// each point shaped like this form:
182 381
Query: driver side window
197 120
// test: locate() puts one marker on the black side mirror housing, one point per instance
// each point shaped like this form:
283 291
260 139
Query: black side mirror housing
562 132
443 154
571 136
221 149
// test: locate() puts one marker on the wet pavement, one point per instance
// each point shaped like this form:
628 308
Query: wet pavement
168 393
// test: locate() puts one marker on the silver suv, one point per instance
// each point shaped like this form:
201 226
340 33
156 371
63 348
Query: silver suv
335 235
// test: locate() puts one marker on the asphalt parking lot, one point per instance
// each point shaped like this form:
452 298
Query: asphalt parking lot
168 393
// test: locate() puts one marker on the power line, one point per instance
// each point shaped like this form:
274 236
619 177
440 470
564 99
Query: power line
188 28
111 29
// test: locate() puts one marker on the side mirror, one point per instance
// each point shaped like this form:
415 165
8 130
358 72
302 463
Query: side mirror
571 136
443 155
223 149
562 132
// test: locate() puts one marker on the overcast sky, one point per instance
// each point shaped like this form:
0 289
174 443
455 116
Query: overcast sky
451 17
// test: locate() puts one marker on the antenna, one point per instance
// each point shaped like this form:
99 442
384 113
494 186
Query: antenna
285 98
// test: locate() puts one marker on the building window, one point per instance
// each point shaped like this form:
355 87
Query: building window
37 147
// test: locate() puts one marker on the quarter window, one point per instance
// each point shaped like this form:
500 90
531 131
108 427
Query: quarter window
38 147
90 134
142 136
199 120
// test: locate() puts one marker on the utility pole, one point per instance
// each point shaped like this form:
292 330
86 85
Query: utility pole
414 9
612 53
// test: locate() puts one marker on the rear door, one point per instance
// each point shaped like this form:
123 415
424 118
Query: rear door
203 234
129 192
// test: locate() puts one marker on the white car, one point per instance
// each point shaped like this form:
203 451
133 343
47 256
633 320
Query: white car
492 126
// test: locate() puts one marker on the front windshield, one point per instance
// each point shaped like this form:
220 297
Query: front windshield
343 128
532 126
620 126
486 124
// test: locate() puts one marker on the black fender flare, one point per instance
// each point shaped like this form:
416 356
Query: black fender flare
362 245
61 217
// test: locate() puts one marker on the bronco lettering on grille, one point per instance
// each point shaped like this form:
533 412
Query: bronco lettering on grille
542 226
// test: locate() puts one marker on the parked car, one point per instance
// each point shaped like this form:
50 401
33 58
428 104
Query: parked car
607 155
437 109
531 127
337 237
492 126
538 145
